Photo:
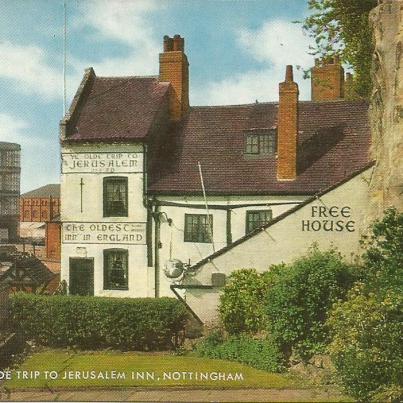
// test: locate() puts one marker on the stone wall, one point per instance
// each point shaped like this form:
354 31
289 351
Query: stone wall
386 112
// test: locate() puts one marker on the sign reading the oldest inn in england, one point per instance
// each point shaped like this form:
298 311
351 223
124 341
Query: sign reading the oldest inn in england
113 233
104 162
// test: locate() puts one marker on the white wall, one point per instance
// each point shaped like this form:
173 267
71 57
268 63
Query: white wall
78 239
172 237
288 238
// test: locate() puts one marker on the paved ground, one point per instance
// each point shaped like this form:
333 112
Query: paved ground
179 395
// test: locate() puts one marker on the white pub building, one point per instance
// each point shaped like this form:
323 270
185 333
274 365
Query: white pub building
153 189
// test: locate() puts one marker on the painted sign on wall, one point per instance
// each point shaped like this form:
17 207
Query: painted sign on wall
103 162
132 233
329 218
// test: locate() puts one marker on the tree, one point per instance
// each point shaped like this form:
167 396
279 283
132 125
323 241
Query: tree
341 27
383 258
367 329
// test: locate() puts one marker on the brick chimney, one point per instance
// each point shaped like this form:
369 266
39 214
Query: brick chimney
287 128
327 80
174 68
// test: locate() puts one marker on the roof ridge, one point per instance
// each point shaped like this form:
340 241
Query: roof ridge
125 77
234 105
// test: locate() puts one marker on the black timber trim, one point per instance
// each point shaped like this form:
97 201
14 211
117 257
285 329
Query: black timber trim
222 206
229 227
280 217
235 193
189 286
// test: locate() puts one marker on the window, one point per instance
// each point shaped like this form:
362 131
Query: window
257 218
261 143
198 228
115 269
115 196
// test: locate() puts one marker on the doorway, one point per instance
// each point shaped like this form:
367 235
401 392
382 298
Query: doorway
81 276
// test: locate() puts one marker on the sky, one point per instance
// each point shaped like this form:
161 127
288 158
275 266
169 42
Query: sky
237 51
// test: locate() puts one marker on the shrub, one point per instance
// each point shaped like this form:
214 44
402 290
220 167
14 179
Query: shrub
241 308
367 345
96 322
383 258
260 354
367 329
300 298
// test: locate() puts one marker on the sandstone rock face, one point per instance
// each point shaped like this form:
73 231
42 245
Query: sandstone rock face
386 110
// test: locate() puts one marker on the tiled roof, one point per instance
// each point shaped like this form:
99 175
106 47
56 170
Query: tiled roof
333 142
52 190
117 109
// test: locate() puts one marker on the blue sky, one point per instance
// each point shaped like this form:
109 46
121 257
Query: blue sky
237 52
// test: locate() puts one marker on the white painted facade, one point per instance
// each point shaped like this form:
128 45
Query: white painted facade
86 233
337 219
343 209
172 241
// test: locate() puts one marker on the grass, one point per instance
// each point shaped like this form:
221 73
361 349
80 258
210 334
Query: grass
141 370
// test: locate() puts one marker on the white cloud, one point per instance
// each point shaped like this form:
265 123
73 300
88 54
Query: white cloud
29 67
275 44
41 169
126 22
14 130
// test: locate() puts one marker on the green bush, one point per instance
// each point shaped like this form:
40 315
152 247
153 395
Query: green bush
241 308
299 299
366 347
260 354
96 322
367 329
383 258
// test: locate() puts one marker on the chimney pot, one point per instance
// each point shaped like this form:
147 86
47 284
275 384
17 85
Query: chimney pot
289 77
168 43
178 43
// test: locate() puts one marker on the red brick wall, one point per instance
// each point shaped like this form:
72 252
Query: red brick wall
39 209
53 240
327 80
287 128
174 68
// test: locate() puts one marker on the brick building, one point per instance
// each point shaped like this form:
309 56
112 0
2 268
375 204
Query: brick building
41 204
137 158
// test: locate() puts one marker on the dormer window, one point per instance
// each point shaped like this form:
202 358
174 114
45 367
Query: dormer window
261 143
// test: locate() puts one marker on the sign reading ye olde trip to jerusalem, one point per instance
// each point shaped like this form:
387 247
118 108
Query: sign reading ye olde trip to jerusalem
122 162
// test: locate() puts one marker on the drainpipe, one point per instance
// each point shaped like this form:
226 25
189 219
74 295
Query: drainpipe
156 251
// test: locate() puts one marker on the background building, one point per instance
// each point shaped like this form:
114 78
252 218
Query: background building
40 205
10 172
37 207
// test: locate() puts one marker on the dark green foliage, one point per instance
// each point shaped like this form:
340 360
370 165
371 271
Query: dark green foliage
260 354
342 27
367 329
383 258
96 322
241 308
367 345
299 300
